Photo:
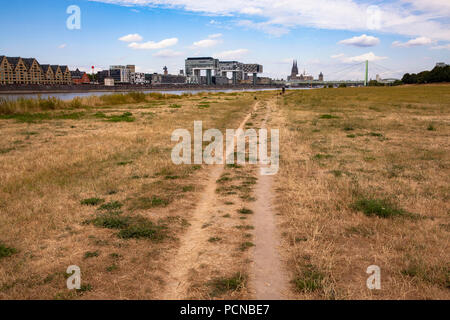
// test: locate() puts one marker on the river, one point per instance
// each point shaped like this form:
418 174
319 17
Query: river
71 95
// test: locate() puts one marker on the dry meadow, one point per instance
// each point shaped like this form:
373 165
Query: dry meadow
364 180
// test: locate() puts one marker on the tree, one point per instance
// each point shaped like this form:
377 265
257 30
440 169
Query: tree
438 74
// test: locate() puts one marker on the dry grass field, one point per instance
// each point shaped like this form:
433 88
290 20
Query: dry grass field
363 180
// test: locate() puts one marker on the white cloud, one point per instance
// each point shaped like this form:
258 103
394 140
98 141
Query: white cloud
266 27
336 56
421 41
131 38
212 41
436 7
215 36
232 54
415 18
206 43
167 53
370 56
251 10
62 46
441 47
151 45
361 41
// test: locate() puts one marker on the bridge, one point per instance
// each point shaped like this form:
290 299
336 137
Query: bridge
341 73
317 83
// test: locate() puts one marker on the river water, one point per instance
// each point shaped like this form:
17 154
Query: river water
71 95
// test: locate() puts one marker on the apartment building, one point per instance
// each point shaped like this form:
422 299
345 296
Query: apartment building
17 70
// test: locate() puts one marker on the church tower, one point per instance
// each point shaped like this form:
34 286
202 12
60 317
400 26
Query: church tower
294 71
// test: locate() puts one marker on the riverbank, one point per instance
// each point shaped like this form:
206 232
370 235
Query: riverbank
39 89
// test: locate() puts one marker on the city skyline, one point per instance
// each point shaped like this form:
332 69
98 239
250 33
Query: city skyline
153 34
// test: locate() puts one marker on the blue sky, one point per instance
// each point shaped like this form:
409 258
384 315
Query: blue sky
326 36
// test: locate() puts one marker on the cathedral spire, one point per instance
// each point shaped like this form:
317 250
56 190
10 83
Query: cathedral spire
294 72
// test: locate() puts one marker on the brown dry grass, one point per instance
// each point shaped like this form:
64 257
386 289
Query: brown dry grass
48 166
337 146
379 143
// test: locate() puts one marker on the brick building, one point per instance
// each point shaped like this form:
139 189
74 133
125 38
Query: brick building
79 77
17 70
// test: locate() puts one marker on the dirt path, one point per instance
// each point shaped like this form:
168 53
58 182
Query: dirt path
195 250
268 278
198 258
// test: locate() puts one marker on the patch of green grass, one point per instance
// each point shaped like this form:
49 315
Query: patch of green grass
224 179
175 106
110 206
336 173
221 286
348 128
214 239
245 227
226 215
130 227
38 117
229 203
434 274
112 268
89 254
309 280
115 255
125 117
234 166
124 163
188 188
30 133
351 136
142 229
328 116
246 245
375 134
170 177
6 150
6 251
379 207
431 127
110 221
84 288
144 203
245 211
321 156
92 201
203 105
100 115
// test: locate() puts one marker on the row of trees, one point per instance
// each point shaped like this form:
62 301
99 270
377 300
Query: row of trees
438 74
